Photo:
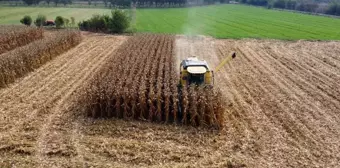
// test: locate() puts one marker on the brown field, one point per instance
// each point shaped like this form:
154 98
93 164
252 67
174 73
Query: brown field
16 36
22 60
283 104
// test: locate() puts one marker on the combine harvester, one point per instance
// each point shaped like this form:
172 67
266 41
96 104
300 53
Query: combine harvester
197 72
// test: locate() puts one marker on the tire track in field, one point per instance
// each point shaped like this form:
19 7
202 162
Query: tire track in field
242 103
310 75
312 111
275 88
93 64
294 85
18 86
320 60
327 55
44 78
28 91
273 106
299 80
250 108
274 84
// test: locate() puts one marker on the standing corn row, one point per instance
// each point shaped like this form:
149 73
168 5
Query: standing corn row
220 108
185 104
143 98
201 105
19 62
12 37
160 80
174 83
193 104
140 82
166 82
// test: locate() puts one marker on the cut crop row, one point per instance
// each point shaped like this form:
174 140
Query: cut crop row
12 37
18 62
140 82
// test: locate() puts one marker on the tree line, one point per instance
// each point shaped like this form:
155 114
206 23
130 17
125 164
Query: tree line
331 7
56 2
129 3
312 6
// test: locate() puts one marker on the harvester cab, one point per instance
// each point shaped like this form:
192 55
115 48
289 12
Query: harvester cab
195 71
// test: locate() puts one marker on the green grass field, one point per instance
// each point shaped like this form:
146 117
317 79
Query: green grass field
224 21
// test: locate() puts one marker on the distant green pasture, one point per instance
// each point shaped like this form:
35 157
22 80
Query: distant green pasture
223 21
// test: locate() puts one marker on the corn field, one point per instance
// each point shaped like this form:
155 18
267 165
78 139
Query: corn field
140 82
18 62
12 37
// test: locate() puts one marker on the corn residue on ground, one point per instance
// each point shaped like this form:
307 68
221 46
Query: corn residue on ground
282 102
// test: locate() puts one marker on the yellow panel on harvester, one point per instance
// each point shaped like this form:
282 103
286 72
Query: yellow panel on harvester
184 77
208 78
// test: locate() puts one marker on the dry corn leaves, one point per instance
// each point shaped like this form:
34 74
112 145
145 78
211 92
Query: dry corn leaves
18 62
140 82
12 37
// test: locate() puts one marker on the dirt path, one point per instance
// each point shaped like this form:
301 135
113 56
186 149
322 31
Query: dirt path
30 105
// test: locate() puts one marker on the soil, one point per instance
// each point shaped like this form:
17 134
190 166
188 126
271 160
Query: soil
283 111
